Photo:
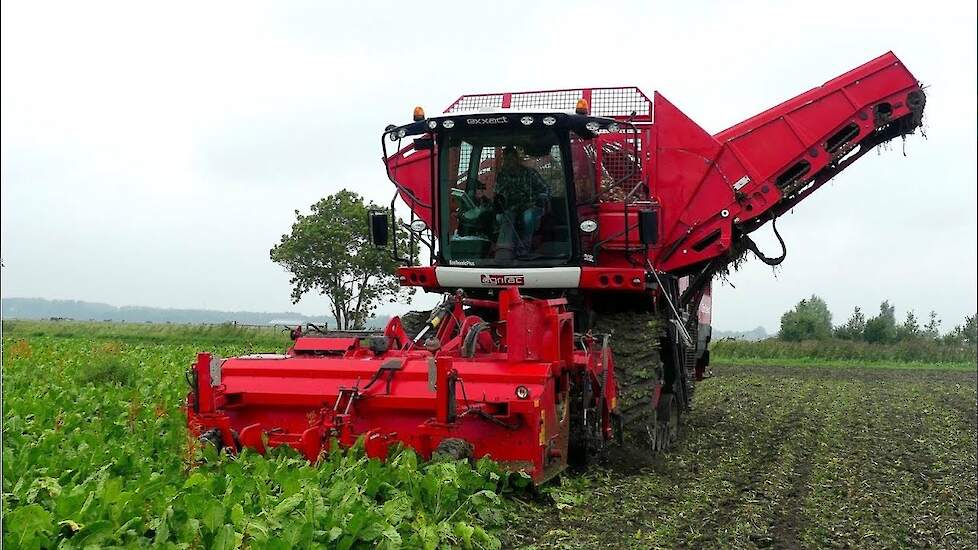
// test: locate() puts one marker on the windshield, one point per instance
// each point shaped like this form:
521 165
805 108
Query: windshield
505 199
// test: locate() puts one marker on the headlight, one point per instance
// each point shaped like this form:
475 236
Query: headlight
527 120
589 226
614 127
549 121
418 226
448 124
401 133
592 127
432 124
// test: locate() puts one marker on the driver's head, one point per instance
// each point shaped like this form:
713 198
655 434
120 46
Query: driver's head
510 156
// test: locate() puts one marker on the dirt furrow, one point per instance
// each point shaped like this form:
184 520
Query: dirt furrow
785 458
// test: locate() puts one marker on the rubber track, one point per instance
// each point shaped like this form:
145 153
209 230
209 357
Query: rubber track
635 342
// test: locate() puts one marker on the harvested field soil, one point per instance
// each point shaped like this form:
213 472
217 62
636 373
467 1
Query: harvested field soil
775 457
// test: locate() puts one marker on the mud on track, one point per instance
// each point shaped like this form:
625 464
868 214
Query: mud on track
799 457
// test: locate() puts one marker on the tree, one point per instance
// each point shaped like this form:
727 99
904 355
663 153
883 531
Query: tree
809 320
966 334
969 332
910 329
882 328
329 252
854 327
932 329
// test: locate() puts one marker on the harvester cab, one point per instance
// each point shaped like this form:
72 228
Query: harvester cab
516 192
507 185
573 235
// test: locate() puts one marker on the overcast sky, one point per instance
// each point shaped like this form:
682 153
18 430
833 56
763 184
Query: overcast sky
153 153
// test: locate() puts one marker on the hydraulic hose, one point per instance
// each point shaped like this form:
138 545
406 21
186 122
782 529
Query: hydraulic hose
752 246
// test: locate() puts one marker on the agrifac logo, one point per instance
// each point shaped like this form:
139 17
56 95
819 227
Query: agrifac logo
489 279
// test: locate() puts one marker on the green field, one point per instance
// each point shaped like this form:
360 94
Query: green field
912 354
95 453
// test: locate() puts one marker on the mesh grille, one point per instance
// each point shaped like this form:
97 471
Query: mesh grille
619 173
560 99
605 102
611 102
476 102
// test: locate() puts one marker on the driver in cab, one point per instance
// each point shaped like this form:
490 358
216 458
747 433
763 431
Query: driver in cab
520 196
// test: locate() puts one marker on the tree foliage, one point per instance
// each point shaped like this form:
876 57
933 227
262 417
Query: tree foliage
810 317
809 320
882 329
964 335
329 252
909 329
854 327
932 330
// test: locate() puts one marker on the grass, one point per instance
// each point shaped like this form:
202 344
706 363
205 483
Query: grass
918 353
838 363
268 337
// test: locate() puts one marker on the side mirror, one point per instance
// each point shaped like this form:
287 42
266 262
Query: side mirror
424 144
377 221
648 226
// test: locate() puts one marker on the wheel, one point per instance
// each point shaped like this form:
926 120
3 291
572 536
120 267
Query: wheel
679 368
586 440
212 437
215 437
667 429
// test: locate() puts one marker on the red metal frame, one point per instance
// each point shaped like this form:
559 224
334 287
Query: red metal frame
709 188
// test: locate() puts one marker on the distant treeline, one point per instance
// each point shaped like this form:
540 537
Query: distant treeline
758 333
808 336
835 350
811 319
42 309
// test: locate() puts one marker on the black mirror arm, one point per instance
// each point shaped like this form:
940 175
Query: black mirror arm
394 255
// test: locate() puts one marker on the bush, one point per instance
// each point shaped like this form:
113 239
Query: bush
809 320
105 370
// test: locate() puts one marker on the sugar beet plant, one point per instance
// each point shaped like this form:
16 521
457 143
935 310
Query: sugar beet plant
96 453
